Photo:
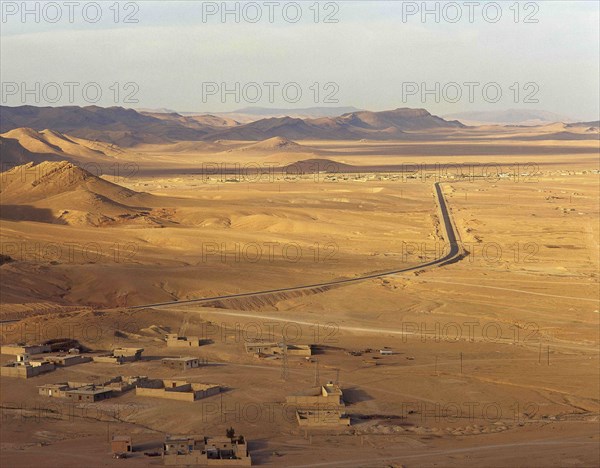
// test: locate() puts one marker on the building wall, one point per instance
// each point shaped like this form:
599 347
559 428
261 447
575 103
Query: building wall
177 385
206 392
132 354
262 348
179 393
298 352
183 460
20 372
183 344
181 365
109 359
201 460
322 419
79 397
52 392
120 446
69 360
161 393
87 396
269 348
14 349
24 372
310 400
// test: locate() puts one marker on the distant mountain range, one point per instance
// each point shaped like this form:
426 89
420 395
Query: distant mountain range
124 127
314 112
250 114
385 125
127 127
529 117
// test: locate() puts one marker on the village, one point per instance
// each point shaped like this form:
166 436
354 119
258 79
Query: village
317 407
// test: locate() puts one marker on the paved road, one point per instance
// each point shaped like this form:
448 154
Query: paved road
454 254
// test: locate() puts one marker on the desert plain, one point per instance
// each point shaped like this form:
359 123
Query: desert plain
495 354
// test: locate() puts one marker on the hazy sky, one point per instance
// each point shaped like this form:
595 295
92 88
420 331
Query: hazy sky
378 55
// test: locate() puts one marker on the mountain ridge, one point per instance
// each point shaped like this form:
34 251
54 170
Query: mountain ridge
127 127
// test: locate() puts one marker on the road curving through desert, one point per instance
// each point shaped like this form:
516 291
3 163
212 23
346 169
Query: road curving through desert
455 253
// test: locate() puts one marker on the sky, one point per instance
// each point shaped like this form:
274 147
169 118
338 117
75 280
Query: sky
376 55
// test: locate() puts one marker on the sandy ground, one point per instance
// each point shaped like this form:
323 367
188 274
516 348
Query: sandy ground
496 356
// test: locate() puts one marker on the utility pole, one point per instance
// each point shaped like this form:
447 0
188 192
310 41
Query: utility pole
284 363
317 377
461 363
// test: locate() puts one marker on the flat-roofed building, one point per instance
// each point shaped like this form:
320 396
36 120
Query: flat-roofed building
206 451
121 355
176 341
129 354
121 444
15 349
116 386
122 384
89 393
329 393
320 406
76 391
322 417
54 390
271 347
181 363
66 360
23 368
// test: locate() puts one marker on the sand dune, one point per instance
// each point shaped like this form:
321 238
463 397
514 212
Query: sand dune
316 165
13 153
67 194
65 146
195 121
47 179
35 141
275 144
568 136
